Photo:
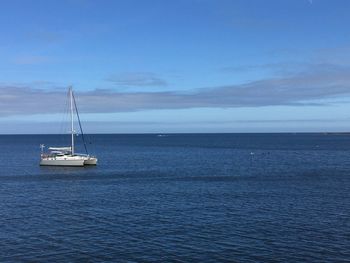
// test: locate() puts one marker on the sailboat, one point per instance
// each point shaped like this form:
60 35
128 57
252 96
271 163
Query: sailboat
66 156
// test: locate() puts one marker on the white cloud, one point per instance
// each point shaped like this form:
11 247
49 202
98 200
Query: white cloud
137 79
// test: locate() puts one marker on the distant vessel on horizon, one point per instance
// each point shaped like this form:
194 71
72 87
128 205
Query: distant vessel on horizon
66 156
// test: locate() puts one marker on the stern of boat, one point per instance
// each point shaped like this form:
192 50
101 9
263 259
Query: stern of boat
90 161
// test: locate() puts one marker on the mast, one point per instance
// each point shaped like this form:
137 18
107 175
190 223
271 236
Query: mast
71 118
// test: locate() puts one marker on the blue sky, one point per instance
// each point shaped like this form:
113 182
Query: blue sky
176 66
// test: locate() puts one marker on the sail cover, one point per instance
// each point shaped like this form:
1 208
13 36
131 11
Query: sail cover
61 149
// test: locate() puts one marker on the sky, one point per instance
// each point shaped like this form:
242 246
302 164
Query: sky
162 66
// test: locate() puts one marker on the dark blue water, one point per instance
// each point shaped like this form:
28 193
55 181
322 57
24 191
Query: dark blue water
179 198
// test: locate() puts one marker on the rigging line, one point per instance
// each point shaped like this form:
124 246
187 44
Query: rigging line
81 129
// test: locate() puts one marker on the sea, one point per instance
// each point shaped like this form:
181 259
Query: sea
178 198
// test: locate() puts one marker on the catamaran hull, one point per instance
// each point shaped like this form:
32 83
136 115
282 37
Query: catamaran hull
90 161
76 163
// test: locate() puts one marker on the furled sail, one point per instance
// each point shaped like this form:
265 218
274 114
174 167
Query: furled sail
61 149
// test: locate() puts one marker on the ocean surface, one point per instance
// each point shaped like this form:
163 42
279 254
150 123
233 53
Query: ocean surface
178 198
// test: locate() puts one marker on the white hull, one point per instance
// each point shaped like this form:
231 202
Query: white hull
53 162
68 160
90 161
65 160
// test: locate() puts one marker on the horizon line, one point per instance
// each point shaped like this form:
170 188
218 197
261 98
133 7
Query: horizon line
184 133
